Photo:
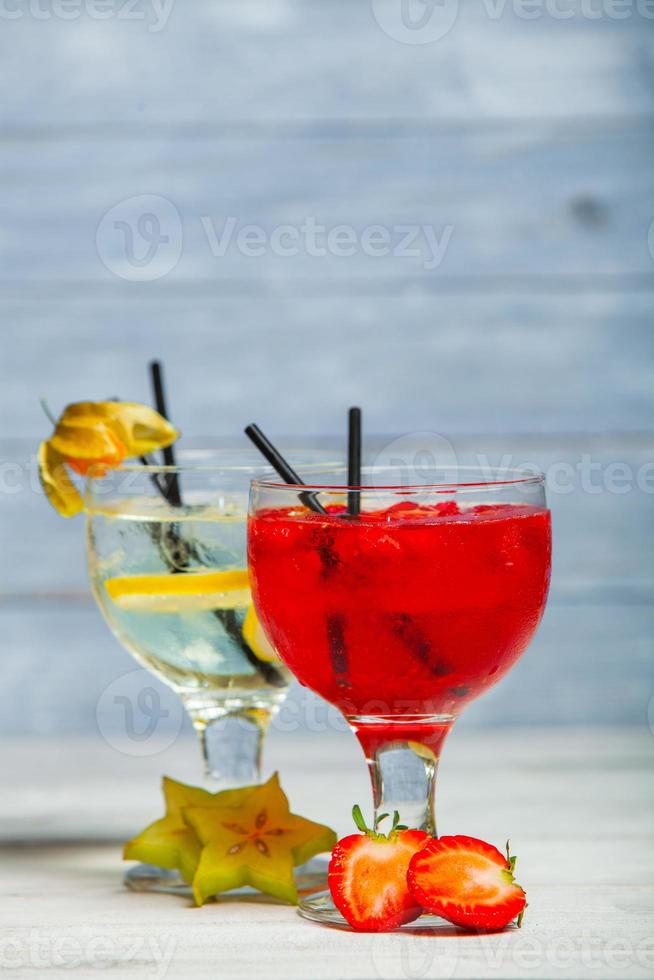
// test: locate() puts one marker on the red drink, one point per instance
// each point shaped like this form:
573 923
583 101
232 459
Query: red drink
405 612
400 616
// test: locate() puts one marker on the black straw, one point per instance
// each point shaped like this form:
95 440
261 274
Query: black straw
179 556
171 481
285 470
354 460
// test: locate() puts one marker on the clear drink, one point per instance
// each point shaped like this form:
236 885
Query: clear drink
175 593
167 562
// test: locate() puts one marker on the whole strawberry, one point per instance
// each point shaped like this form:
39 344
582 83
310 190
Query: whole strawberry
468 882
368 875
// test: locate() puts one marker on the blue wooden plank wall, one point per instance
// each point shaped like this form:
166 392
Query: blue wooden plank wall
453 229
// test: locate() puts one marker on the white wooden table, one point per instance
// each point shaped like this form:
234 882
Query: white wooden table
577 805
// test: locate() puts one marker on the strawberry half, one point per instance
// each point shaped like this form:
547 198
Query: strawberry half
368 875
468 882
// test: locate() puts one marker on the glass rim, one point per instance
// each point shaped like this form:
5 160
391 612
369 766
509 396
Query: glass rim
187 464
509 478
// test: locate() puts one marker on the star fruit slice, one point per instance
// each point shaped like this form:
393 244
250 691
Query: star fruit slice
257 843
172 843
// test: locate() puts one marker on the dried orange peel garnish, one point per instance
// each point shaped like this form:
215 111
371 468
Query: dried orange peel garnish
99 435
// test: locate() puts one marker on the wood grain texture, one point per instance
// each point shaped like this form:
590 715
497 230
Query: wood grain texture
216 65
601 545
560 786
590 662
517 203
531 139
501 363
577 804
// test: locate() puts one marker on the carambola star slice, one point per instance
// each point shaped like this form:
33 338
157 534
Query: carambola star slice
172 843
256 842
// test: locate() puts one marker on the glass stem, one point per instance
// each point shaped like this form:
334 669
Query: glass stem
403 768
232 745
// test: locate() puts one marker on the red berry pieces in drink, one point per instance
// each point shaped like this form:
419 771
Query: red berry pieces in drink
436 602
368 876
468 882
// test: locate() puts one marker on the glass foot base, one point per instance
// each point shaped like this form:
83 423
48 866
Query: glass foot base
320 907
149 878
309 878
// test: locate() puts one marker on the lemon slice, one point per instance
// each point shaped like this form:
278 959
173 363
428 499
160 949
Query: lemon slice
184 592
256 639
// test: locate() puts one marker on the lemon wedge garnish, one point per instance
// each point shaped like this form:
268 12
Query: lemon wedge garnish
184 592
256 639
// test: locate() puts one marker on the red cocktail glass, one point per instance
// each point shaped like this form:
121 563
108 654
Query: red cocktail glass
401 614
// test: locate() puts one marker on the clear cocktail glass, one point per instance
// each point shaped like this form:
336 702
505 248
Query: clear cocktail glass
171 580
402 614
